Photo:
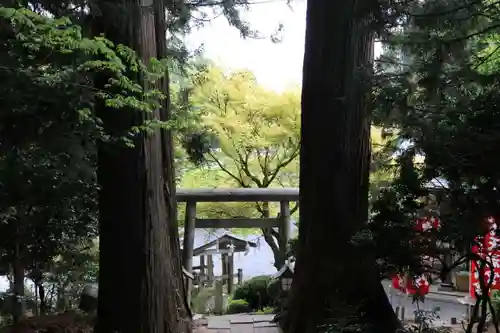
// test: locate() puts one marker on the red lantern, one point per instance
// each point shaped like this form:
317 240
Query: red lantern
418 286
422 285
427 224
398 282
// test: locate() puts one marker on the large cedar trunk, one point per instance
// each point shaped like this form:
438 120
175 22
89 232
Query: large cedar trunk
330 274
18 286
141 286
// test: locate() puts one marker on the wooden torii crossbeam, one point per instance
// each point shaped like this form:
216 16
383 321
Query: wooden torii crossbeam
192 196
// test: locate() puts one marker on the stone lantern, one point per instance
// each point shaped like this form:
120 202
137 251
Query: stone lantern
88 298
285 275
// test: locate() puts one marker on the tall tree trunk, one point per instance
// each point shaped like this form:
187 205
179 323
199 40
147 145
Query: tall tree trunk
272 238
18 285
18 269
331 275
140 280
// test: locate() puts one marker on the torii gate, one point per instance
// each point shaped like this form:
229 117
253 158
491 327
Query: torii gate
192 196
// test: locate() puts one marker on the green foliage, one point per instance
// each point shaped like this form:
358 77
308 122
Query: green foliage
200 300
254 291
251 139
267 310
238 306
382 168
49 131
495 302
48 186
437 91
8 301
54 57
274 289
68 274
257 131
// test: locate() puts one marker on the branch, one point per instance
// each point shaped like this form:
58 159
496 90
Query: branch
263 166
243 161
232 175
474 34
284 163
485 59
268 237
447 12
275 234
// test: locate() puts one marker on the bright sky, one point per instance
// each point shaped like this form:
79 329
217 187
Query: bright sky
276 66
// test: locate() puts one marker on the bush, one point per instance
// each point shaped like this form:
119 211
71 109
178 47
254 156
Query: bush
267 310
274 289
200 300
238 306
254 291
495 301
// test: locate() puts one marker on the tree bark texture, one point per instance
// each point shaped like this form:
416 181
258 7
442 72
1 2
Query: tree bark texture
331 276
18 285
141 285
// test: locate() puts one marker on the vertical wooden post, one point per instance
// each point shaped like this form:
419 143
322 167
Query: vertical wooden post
240 276
224 259
230 273
210 270
447 284
202 270
188 244
219 297
286 226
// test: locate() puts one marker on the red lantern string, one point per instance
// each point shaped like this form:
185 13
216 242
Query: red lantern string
418 285
412 286
486 247
398 282
427 224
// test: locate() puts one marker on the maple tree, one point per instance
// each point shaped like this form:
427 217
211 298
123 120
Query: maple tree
255 134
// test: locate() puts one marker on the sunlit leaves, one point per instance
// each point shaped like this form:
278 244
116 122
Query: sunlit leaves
257 130
48 186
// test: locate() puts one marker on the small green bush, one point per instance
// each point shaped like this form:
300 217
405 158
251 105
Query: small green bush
274 289
238 306
267 310
199 301
254 291
495 301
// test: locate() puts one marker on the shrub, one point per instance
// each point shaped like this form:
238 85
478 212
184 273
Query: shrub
254 291
267 310
495 301
274 289
238 306
200 300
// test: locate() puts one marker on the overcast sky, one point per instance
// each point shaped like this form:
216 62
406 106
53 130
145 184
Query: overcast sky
276 65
